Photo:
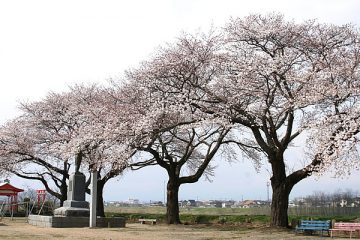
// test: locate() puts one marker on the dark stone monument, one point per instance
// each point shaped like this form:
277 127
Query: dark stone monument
75 205
75 211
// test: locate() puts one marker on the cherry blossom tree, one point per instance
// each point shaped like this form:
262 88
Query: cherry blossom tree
185 153
277 81
24 154
100 141
283 80
168 131
56 129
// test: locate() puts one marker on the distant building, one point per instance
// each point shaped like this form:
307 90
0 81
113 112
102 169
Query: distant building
187 203
200 204
156 203
133 201
292 204
356 202
215 203
228 204
253 203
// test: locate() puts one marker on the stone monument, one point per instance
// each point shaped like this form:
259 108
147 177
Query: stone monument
75 211
75 205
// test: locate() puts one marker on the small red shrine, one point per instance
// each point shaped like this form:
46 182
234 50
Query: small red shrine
6 189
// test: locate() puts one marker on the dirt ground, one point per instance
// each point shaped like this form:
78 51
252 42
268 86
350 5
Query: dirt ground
19 229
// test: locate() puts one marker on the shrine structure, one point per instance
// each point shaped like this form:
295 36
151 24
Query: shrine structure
6 189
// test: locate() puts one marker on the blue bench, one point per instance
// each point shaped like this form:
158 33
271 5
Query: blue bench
311 226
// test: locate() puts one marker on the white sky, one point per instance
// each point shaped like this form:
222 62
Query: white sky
48 45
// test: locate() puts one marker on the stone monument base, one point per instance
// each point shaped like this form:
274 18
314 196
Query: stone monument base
71 212
73 208
69 222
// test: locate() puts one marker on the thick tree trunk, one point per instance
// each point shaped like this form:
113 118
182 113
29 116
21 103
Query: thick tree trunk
279 206
281 186
62 199
63 186
172 205
281 190
63 192
100 201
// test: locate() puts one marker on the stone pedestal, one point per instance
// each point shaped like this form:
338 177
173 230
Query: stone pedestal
71 212
70 222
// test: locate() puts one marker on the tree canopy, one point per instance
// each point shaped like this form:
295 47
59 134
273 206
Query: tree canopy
258 83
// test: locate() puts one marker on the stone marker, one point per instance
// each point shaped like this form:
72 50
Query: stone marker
75 205
75 211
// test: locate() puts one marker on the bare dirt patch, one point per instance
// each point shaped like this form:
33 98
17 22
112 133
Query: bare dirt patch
19 229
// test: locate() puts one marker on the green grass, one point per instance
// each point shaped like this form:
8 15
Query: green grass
212 215
135 210
192 211
195 219
226 211
190 215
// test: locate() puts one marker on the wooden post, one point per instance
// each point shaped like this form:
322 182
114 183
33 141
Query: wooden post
93 193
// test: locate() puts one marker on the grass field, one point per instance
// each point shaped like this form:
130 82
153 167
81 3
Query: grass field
215 215
192 215
192 211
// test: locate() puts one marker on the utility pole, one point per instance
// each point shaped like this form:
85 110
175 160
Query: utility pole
267 186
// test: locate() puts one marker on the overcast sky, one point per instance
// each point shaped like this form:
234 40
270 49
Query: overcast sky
49 45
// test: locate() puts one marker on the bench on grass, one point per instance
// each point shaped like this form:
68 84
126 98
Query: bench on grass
143 221
311 226
345 227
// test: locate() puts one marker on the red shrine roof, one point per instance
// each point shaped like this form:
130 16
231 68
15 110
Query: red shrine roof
6 189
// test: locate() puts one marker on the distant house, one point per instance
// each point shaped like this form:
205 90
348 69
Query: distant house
292 204
248 204
156 203
191 203
200 204
228 204
132 201
212 204
356 202
215 203
343 203
187 203
253 203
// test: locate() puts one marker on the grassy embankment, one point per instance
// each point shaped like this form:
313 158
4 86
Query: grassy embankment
189 215
212 215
